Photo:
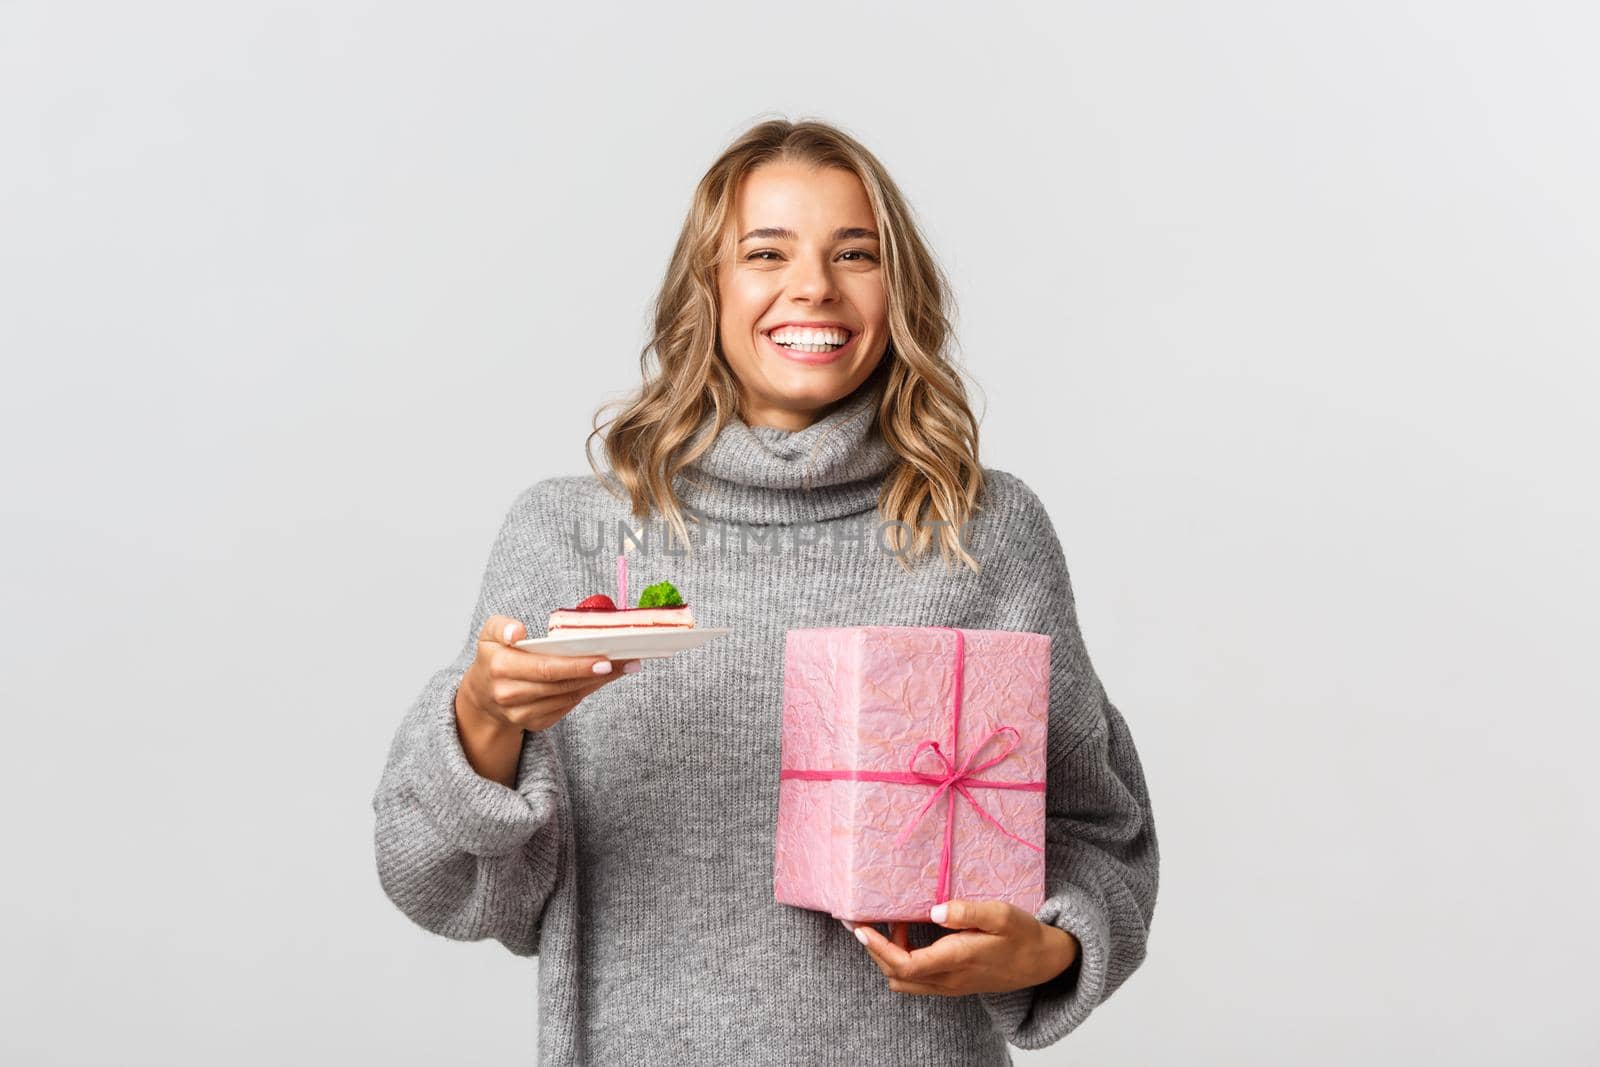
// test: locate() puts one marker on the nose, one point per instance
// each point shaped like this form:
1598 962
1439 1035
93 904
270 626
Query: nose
811 279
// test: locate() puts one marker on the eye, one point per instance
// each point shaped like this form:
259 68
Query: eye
866 257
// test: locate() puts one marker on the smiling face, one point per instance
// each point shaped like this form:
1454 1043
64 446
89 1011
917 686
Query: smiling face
804 276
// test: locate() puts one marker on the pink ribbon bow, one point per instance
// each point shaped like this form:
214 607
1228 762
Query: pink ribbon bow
954 779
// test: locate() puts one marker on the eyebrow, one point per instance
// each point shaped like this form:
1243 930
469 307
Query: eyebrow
783 233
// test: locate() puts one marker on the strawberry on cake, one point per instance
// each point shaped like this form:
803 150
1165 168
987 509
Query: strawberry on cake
660 608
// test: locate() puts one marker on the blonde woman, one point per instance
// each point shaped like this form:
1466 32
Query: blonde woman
800 453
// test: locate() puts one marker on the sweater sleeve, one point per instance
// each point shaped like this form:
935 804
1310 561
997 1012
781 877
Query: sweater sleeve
460 854
1101 857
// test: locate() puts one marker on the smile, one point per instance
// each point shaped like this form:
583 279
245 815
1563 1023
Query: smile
811 354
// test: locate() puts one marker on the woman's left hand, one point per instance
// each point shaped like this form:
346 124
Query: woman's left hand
999 948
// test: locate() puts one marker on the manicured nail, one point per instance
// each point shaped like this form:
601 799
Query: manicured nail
603 667
633 666
511 628
938 912
847 924
861 935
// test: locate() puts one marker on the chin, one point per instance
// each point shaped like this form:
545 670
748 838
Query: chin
813 386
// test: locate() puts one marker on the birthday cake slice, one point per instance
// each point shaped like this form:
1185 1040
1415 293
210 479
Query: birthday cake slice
660 608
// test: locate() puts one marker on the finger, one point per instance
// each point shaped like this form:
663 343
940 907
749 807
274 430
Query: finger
519 664
562 703
991 916
510 694
900 934
928 989
620 667
951 954
920 965
502 630
891 959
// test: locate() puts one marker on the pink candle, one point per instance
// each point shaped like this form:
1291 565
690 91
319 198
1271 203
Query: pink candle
622 580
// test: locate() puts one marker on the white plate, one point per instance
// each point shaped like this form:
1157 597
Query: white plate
626 644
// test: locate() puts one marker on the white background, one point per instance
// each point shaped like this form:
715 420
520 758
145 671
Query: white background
1287 311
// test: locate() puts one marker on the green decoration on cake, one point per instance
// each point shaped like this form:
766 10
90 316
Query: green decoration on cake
660 595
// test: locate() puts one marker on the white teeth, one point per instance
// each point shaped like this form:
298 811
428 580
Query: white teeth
800 336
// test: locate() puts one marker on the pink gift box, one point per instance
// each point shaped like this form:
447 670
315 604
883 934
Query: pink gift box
913 770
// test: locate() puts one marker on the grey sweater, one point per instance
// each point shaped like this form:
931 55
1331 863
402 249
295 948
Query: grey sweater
634 857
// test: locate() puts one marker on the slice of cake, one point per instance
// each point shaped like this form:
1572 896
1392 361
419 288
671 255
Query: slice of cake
660 608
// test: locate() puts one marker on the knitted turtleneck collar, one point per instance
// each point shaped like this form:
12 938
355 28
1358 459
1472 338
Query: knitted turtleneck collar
764 475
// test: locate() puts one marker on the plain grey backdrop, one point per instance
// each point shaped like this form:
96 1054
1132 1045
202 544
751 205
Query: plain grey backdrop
1287 311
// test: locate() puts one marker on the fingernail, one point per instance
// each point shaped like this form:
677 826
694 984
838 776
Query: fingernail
511 628
938 912
847 924
603 667
633 666
861 935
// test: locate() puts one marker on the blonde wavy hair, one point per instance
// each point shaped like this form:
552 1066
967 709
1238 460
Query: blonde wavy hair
924 415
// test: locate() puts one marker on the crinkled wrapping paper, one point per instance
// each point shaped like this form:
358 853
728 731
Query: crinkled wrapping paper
862 699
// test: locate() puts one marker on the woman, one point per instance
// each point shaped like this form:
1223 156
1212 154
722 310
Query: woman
800 453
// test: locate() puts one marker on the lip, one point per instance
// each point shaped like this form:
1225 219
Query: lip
815 359
811 324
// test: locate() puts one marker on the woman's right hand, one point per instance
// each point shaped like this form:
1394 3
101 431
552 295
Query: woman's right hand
510 689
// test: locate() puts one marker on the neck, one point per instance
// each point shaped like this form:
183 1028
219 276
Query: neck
759 473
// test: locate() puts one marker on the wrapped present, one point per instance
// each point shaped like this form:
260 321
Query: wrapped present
913 770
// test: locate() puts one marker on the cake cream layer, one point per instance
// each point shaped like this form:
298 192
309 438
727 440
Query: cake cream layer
573 623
